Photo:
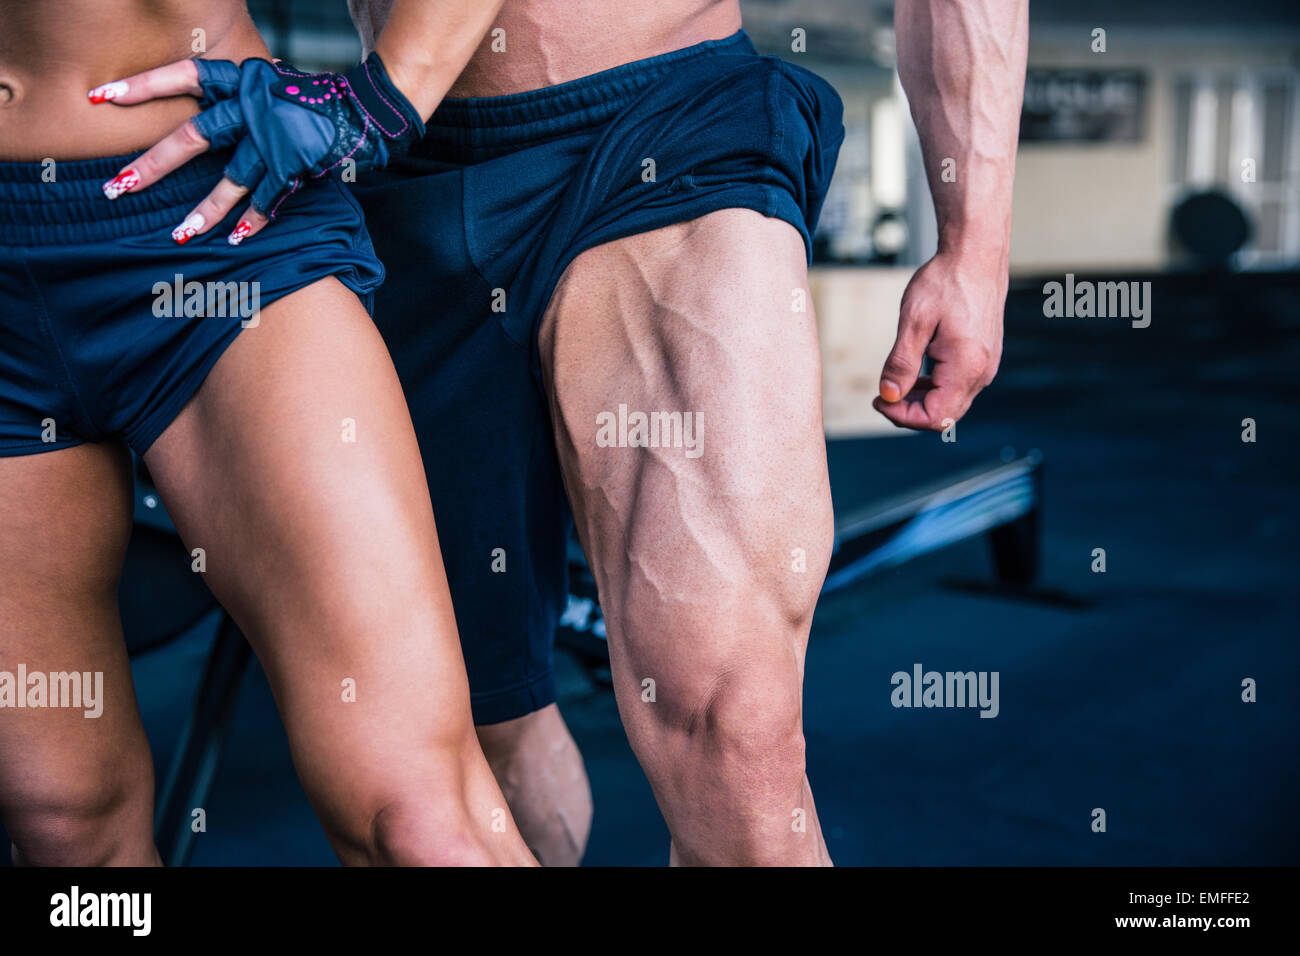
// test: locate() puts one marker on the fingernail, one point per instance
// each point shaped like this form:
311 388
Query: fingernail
109 91
240 233
890 391
189 228
123 182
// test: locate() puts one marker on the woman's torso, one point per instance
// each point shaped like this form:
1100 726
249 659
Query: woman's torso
52 54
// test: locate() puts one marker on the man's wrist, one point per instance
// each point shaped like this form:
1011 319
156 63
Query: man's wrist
383 101
419 80
976 244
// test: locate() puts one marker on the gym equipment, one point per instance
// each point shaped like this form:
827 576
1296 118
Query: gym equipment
1211 225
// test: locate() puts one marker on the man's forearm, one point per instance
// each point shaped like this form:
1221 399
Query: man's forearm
424 44
962 65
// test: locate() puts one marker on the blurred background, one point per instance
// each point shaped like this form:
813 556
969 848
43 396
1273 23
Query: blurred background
1173 157
1183 93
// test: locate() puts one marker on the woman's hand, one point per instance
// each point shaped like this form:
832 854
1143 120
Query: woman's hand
285 126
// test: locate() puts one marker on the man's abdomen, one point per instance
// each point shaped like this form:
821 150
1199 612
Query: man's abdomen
544 43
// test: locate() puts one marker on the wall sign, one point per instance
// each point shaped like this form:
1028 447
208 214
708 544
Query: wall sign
1071 106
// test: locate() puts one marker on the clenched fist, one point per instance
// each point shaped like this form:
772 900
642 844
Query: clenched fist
951 311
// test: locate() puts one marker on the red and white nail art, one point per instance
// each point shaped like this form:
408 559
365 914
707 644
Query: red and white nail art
240 233
123 182
107 92
189 228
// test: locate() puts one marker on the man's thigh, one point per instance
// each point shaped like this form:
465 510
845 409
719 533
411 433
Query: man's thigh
726 518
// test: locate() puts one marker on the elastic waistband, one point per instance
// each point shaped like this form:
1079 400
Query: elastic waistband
494 124
63 202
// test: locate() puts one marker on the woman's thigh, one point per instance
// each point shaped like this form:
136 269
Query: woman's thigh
76 779
295 469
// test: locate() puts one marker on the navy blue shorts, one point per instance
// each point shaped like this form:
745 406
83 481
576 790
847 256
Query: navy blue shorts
108 327
475 227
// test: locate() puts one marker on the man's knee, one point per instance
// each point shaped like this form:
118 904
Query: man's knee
745 720
750 723
727 696
725 753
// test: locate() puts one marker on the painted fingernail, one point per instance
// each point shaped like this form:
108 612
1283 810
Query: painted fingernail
889 391
189 228
123 182
109 91
241 232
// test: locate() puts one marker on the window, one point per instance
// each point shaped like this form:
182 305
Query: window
1241 132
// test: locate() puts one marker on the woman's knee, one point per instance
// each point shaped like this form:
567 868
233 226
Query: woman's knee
424 832
104 821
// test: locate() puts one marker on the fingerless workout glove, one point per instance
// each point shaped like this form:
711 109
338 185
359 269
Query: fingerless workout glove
288 124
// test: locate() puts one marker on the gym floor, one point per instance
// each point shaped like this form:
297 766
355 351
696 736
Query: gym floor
1119 690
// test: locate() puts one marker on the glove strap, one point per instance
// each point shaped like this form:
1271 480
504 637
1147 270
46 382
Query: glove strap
390 111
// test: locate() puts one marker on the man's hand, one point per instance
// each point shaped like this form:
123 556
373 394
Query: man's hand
951 311
962 65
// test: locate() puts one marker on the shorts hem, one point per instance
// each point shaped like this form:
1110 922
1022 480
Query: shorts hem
498 706
18 449
769 201
141 436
